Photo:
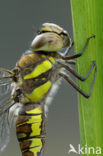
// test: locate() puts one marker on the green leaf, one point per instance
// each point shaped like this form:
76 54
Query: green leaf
87 17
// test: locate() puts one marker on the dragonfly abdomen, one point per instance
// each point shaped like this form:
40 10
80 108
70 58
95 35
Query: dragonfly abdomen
30 128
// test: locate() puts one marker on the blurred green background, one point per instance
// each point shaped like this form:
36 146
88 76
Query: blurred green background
19 21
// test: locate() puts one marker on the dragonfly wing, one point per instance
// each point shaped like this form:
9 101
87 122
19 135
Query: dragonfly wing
5 123
5 83
4 130
5 105
6 102
5 91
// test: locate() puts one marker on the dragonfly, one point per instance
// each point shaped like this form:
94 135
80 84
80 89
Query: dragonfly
27 89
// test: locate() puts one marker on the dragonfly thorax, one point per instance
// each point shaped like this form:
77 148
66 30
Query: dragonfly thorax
37 74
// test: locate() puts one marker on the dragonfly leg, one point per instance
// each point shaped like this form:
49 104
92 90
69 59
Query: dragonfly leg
79 54
72 62
74 85
76 74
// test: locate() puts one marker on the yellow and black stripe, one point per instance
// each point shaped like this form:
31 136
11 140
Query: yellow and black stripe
36 82
30 127
36 71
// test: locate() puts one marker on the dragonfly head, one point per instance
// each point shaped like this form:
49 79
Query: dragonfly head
51 37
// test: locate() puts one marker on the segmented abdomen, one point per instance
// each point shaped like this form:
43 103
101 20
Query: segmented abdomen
30 128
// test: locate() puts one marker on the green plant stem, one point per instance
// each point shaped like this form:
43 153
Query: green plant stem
87 17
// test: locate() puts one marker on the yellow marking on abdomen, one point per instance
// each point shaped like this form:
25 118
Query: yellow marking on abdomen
35 142
35 123
41 68
36 110
36 129
33 119
39 92
37 146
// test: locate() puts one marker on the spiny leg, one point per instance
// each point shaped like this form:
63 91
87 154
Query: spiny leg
76 74
79 54
67 78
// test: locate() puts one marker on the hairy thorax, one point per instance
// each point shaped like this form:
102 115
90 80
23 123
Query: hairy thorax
37 75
